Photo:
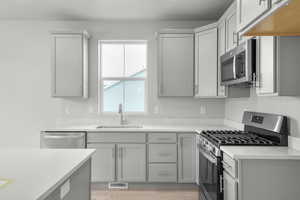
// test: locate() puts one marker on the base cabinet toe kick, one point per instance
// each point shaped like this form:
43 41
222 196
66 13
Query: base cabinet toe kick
143 157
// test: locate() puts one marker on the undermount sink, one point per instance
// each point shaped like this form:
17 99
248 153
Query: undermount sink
120 126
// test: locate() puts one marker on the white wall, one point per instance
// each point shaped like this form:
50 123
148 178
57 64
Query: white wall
25 103
289 106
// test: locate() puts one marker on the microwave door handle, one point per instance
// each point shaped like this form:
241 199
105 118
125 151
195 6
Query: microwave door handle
234 67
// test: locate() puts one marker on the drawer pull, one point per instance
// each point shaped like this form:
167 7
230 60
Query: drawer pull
164 139
163 173
165 154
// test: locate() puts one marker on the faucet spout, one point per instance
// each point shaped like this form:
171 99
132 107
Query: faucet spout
122 118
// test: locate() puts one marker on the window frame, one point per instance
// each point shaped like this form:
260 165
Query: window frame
101 80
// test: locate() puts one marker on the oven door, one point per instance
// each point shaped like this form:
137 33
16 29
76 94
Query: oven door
210 176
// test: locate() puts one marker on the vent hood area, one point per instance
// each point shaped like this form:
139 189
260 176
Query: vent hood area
283 19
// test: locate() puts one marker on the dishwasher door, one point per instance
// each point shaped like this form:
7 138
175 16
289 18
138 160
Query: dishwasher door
63 140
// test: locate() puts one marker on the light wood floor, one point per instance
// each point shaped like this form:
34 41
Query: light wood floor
147 192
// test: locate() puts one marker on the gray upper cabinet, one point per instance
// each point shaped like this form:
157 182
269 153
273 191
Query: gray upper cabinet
231 33
176 64
278 66
250 10
206 61
103 171
69 64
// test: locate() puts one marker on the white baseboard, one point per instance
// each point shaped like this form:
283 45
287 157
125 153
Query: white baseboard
294 142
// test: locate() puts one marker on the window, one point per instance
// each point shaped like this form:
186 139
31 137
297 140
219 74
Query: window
123 75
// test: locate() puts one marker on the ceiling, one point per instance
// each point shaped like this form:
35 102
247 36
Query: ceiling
112 9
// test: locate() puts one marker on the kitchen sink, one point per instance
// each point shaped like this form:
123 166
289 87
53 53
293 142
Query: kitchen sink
120 126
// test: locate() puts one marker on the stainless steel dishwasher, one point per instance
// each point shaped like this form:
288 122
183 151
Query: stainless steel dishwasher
62 140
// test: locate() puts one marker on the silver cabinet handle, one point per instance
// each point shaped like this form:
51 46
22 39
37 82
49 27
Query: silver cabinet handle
164 154
121 157
58 136
234 38
164 139
221 183
181 154
163 173
113 152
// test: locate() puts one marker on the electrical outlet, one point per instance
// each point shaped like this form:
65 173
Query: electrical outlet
65 189
203 110
156 109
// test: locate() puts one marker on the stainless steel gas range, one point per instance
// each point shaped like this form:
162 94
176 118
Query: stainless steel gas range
260 129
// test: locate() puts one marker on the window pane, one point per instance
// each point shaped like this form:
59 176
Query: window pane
135 60
134 96
112 95
112 60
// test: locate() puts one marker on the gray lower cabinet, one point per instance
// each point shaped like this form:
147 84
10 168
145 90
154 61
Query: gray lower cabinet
186 158
166 153
230 187
260 179
131 162
163 172
141 157
79 183
103 171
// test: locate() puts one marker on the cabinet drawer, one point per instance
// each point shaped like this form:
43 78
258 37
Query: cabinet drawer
162 138
162 153
162 173
116 137
230 165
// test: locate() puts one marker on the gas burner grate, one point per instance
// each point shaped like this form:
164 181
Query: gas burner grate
231 137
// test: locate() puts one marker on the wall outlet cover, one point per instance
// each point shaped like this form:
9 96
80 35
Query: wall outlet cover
65 189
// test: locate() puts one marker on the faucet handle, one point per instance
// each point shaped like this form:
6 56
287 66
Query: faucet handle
120 108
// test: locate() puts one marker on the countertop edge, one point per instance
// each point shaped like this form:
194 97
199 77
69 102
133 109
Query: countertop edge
66 176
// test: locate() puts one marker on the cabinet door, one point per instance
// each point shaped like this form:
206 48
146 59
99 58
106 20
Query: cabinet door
176 65
103 162
207 63
249 10
231 33
132 162
186 158
266 65
221 51
67 69
230 187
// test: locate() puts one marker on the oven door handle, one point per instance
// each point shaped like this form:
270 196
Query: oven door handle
208 157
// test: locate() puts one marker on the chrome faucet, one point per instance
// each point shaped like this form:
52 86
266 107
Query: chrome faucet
122 118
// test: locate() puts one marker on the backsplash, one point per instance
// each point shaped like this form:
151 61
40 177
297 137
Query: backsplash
26 105
288 106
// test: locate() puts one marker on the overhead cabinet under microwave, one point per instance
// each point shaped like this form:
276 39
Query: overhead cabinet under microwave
238 66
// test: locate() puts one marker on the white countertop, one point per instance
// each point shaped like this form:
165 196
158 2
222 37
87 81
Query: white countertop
145 128
35 173
255 152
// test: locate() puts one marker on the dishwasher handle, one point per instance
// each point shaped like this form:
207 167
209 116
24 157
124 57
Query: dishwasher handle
63 140
63 135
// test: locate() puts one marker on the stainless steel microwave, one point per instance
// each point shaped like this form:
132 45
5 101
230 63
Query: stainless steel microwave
238 66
